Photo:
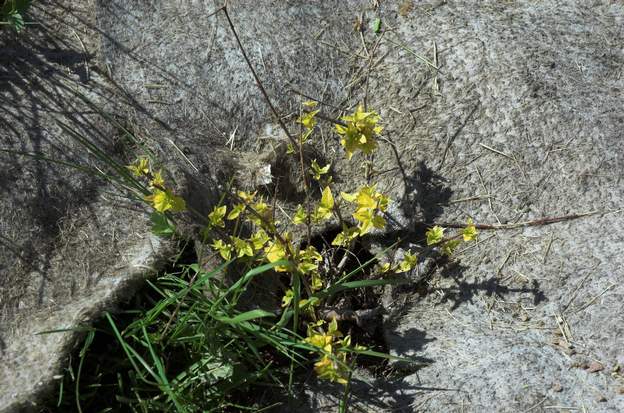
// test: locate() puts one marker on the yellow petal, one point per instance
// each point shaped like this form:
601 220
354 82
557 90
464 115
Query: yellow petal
166 201
216 216
327 199
300 216
348 197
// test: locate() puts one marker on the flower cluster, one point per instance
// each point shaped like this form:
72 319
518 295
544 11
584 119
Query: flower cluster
359 131
332 364
161 198
435 236
245 229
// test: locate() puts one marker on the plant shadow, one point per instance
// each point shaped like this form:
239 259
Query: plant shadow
426 195
465 291
370 395
425 192
51 83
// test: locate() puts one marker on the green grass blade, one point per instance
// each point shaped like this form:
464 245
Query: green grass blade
83 354
246 316
162 376
334 289
246 279
127 349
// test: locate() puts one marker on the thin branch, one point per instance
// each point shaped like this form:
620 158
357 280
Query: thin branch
524 224
266 97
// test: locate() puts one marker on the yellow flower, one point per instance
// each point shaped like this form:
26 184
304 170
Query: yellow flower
307 267
246 196
365 198
470 232
409 262
166 201
369 203
384 268
242 247
275 251
332 364
329 369
320 340
236 211
317 171
261 207
287 298
350 138
225 250
263 210
434 235
140 167
359 132
346 236
300 216
317 282
324 367
449 246
308 119
157 180
259 239
368 197
309 260
216 216
310 254
368 219
365 217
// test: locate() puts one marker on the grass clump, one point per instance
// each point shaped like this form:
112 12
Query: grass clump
189 349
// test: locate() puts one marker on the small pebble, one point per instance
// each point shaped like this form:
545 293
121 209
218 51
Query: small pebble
594 367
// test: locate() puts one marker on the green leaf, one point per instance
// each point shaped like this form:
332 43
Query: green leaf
161 225
377 26
16 21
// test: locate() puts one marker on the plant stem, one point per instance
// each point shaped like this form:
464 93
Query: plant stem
534 223
266 97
